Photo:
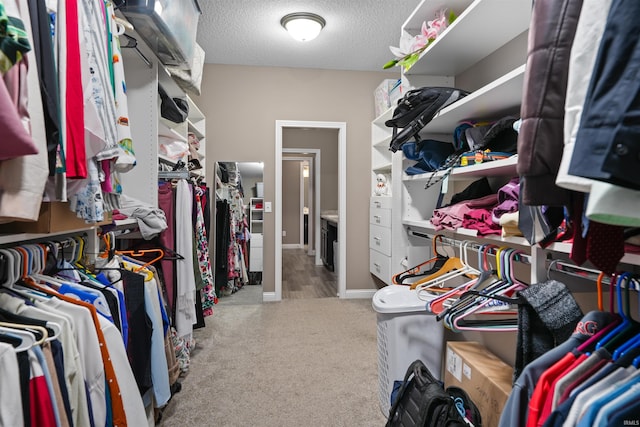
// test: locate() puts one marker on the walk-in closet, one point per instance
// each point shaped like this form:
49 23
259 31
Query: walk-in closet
419 213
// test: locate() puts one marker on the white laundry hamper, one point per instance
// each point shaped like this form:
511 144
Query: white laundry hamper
406 332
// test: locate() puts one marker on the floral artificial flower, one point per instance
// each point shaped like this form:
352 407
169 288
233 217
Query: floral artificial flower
412 47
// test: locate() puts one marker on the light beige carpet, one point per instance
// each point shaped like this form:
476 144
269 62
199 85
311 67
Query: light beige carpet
307 362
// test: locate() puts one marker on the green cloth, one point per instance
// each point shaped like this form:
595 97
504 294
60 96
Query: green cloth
14 43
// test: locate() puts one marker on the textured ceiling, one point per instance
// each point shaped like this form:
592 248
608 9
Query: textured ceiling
357 35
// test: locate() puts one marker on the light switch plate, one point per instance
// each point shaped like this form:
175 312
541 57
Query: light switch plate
267 206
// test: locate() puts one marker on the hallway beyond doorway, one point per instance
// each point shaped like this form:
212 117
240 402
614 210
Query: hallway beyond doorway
302 279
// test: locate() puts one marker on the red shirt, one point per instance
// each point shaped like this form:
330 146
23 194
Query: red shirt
538 398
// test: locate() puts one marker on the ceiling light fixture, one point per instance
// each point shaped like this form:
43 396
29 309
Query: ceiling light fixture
303 26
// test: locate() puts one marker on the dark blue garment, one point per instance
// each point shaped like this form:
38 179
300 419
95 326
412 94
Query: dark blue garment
627 417
591 414
608 141
140 330
58 361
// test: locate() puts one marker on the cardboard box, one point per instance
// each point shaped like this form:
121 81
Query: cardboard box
485 378
55 217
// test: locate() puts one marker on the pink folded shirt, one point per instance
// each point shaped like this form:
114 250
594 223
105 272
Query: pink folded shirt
451 217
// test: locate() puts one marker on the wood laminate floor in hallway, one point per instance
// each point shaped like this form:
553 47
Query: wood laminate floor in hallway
302 279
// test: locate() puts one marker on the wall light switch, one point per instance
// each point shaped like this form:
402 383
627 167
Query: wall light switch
267 206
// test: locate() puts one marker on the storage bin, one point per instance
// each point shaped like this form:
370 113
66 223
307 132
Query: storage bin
406 332
259 189
169 27
382 95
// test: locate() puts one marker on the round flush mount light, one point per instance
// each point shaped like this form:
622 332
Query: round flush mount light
303 26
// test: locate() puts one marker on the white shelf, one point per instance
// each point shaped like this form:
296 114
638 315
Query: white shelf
494 99
383 168
125 223
169 161
194 112
384 116
463 233
505 167
193 128
383 143
6 239
479 30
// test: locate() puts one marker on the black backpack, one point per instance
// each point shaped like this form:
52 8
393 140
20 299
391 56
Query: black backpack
423 402
416 108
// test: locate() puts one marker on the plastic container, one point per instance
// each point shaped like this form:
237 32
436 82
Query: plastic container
169 27
406 332
259 189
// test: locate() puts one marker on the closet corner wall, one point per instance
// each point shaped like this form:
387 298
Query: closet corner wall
142 87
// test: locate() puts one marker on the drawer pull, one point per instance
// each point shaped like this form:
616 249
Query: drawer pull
377 266
377 218
378 204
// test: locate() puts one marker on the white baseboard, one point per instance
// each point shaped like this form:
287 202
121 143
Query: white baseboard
291 246
359 293
269 297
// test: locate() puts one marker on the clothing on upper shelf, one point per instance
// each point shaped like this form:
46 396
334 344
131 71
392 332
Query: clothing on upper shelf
22 179
69 92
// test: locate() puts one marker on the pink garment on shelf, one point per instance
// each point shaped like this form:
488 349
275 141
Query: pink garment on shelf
116 215
481 220
451 217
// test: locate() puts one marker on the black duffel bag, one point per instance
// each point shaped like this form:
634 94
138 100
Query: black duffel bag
416 109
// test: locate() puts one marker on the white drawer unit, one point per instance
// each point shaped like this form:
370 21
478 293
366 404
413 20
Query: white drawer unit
380 265
380 239
381 202
380 216
255 253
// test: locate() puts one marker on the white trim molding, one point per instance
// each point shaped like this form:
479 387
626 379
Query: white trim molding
360 293
342 199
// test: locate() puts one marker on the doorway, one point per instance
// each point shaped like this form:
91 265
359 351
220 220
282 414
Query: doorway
313 188
341 127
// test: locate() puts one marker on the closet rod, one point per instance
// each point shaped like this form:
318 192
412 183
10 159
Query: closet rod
582 272
523 258
179 174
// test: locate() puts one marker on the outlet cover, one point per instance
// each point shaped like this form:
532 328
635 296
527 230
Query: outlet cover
267 206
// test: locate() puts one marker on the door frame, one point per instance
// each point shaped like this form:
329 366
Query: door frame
342 201
315 186
300 160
